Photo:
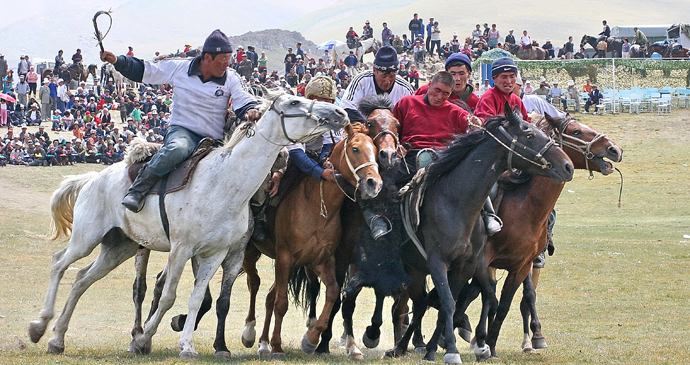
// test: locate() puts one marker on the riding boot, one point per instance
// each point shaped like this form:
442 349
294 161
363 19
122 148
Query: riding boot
378 224
260 232
492 222
549 234
134 200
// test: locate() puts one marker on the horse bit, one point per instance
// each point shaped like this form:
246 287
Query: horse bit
583 147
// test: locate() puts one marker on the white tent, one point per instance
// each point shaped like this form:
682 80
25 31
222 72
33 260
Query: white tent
654 33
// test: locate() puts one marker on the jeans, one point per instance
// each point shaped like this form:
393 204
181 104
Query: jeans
178 145
438 47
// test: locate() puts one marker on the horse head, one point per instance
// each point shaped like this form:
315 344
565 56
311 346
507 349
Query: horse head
382 126
586 147
531 150
355 158
588 40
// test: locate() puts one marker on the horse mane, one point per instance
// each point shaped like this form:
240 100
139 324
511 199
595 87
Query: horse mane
370 103
245 128
460 148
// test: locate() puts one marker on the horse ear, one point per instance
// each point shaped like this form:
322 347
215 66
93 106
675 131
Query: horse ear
350 130
553 122
508 112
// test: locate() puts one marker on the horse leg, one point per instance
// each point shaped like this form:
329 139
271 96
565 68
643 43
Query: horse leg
251 256
417 292
178 257
177 322
80 245
231 268
141 261
328 333
372 334
115 249
467 295
280 306
510 286
399 315
207 268
264 348
489 303
349 301
326 272
529 296
448 285
313 286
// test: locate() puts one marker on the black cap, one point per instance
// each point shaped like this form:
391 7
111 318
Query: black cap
217 42
386 59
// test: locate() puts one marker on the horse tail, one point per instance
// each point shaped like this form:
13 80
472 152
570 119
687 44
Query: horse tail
300 288
62 204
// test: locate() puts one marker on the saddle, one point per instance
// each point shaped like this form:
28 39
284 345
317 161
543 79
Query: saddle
178 178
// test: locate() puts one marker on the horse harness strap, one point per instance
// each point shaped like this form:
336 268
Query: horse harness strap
161 206
580 145
319 120
353 169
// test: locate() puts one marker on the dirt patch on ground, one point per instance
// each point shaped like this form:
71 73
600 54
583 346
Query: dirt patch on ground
19 198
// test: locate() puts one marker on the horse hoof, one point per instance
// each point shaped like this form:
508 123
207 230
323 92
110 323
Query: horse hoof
394 352
355 356
140 349
465 334
249 334
307 346
54 348
420 350
429 356
452 358
277 356
189 355
342 344
539 343
36 331
529 350
482 353
264 348
223 355
177 322
368 342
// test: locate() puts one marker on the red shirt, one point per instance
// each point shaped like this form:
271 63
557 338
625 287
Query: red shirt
493 101
472 101
425 126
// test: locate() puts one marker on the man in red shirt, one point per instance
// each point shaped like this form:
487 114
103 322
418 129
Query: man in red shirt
504 73
460 67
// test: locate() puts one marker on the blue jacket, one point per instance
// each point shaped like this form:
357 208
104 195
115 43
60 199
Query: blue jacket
595 96
306 164
53 89
428 29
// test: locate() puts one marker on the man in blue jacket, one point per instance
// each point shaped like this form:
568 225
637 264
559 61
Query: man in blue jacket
594 97
415 26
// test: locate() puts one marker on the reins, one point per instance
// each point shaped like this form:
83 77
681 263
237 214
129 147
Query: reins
249 131
353 169
581 146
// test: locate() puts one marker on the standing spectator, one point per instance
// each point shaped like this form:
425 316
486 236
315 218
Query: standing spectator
601 48
53 86
289 61
292 78
429 30
3 66
251 54
44 97
24 66
386 35
351 63
63 96
494 35
22 90
435 39
8 81
245 67
419 34
485 33
130 52
569 49
415 26
327 59
625 49
476 34
32 78
300 51
3 113
263 62
510 38
405 74
594 97
414 77
299 68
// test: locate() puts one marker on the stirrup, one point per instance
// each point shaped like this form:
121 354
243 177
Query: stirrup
379 232
493 223
425 157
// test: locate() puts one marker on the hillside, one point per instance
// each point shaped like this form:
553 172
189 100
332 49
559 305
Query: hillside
275 43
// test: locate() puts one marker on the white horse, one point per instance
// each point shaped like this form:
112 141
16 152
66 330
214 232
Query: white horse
208 219
341 50
118 78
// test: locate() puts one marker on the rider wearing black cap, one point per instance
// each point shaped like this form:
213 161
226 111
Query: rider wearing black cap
203 87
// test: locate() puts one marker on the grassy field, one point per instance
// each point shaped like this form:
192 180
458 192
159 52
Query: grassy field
615 291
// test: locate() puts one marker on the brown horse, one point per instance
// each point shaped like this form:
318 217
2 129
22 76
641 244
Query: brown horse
535 53
667 51
306 232
524 209
81 73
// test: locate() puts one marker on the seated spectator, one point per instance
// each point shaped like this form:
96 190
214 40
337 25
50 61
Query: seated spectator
528 90
594 97
419 52
414 77
555 92
33 117
445 51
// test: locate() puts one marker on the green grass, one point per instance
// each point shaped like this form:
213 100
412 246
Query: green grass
615 291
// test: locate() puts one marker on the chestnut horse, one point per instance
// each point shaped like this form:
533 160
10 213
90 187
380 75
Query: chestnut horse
524 209
667 51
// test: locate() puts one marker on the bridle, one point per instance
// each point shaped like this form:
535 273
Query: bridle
537 156
354 170
319 120
577 144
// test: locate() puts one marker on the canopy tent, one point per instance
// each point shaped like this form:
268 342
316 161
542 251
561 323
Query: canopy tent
654 33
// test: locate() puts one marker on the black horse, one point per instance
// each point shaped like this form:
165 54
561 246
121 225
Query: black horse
456 188
613 45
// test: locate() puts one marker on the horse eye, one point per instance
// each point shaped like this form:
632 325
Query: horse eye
294 102
368 124
355 149
577 133
529 136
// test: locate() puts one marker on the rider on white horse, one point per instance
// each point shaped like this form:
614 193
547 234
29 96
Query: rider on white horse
203 87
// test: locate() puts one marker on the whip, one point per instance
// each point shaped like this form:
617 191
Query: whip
99 35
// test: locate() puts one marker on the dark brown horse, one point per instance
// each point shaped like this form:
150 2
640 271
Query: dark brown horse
524 209
668 51
80 73
306 232
612 45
